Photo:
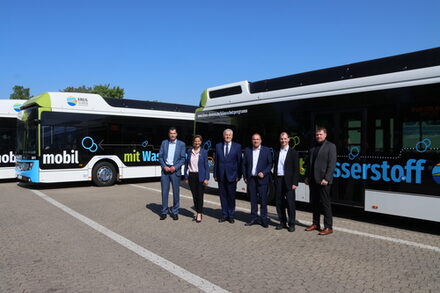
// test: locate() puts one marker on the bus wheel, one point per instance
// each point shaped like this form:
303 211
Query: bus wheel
104 174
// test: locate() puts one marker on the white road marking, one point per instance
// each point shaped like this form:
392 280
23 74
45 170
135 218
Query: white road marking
180 272
375 236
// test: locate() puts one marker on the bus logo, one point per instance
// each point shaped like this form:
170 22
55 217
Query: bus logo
89 144
422 146
436 173
17 107
354 152
72 101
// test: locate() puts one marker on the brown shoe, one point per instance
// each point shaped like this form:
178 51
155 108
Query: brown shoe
326 231
312 227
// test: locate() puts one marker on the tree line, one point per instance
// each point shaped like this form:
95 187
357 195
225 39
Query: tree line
21 93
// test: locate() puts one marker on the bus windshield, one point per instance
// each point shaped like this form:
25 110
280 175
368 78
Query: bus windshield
27 129
7 135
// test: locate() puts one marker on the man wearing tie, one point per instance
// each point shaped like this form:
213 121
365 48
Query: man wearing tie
257 163
227 172
171 159
286 171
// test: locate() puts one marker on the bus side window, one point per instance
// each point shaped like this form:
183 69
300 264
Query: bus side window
47 132
417 131
384 135
421 125
64 138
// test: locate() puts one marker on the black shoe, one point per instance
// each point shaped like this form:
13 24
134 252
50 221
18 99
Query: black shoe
251 223
221 220
280 226
175 217
291 229
230 220
265 225
163 217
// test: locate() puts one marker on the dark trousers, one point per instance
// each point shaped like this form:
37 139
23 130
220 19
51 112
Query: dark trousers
320 194
255 189
285 199
227 198
197 191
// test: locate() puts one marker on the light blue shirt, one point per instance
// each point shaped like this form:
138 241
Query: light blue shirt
171 151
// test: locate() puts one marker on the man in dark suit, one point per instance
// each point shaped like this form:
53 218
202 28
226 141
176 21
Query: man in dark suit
227 172
321 164
286 172
171 159
257 163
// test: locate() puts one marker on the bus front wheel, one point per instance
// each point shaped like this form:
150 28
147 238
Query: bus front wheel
104 174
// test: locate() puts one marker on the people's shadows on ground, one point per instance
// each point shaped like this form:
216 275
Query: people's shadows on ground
207 212
157 209
240 216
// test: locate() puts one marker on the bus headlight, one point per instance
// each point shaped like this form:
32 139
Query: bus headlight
24 166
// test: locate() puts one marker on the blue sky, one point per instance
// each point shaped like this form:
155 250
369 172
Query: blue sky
172 50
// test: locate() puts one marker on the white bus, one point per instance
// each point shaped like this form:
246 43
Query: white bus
80 137
8 124
383 115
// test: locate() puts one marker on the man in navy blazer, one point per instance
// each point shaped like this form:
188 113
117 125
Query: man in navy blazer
227 172
257 163
171 159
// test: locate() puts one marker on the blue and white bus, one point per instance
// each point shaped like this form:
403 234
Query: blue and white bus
8 124
383 115
66 137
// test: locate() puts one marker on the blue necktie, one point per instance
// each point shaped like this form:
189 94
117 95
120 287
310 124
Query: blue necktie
226 150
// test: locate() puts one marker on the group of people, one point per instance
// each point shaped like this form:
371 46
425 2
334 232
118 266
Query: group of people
254 166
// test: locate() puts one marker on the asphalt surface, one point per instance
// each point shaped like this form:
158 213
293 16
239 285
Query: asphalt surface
81 238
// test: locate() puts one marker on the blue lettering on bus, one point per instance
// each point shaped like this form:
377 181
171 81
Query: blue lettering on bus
345 170
149 156
356 169
365 168
410 173
376 172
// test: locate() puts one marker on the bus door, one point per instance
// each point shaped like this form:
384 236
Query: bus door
346 129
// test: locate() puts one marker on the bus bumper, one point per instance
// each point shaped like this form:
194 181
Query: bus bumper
27 170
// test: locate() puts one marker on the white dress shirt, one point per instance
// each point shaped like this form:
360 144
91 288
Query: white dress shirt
255 155
281 160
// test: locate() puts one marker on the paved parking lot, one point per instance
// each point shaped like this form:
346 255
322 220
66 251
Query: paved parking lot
88 239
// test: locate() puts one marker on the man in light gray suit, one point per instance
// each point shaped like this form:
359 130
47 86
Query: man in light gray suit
321 164
171 159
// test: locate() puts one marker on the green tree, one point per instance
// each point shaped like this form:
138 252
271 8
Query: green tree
81 89
20 93
103 90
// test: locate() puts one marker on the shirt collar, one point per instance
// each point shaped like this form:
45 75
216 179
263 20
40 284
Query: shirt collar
259 148
285 148
173 142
